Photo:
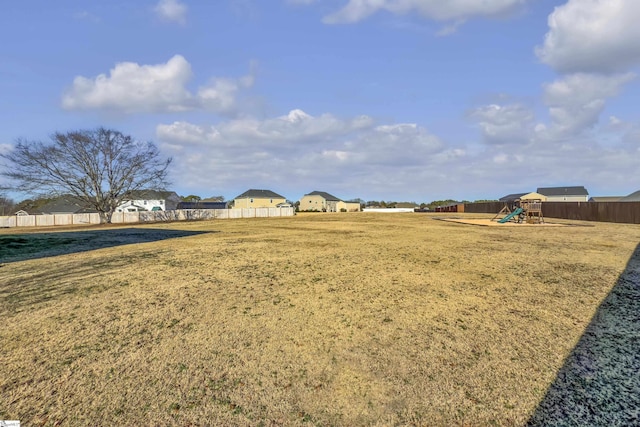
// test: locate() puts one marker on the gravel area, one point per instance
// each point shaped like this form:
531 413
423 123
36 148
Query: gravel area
599 384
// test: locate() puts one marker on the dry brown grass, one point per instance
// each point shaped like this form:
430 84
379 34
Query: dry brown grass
335 319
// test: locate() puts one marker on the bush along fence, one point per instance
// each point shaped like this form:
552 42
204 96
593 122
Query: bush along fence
137 217
621 212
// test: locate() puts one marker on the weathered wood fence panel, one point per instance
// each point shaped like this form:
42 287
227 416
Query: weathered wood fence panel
25 221
621 212
135 217
488 207
8 221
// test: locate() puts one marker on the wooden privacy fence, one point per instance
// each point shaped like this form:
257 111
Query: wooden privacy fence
622 212
135 217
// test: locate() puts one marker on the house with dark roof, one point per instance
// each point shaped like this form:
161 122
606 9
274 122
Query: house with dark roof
565 194
253 198
319 201
65 205
633 197
511 197
202 205
605 199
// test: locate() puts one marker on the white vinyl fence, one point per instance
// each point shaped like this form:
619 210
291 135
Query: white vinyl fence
135 217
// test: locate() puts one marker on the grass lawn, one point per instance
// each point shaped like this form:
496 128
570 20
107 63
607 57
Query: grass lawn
319 319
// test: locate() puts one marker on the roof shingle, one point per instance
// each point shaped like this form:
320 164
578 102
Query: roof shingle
563 191
324 195
259 194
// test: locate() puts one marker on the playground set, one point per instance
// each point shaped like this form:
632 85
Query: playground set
522 211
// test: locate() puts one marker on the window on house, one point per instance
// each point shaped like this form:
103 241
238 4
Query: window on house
145 202
251 200
270 200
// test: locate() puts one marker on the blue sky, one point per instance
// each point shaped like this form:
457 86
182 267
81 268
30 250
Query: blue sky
413 100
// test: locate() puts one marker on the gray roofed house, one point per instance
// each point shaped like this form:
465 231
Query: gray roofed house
565 194
253 198
65 205
324 195
202 205
511 197
319 201
602 199
259 194
633 197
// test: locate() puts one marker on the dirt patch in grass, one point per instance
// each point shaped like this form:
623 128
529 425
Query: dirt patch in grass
336 319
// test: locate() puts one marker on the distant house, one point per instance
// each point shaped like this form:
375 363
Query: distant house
633 197
534 196
348 206
202 205
65 205
149 200
258 199
603 199
321 201
565 194
510 198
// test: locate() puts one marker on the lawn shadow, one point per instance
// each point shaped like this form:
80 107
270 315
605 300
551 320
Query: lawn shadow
19 247
599 383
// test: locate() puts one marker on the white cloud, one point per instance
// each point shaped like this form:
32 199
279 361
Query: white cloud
86 16
574 146
297 148
615 122
575 104
576 101
456 10
132 88
404 144
220 94
172 11
593 36
450 28
504 124
295 128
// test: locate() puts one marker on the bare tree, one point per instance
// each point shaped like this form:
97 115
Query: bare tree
7 205
100 168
